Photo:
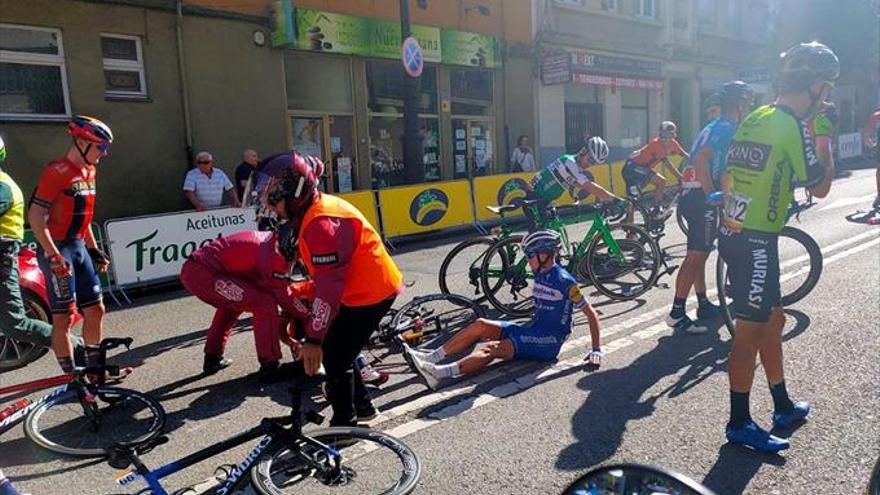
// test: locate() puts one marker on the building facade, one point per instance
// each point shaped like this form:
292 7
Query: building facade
617 68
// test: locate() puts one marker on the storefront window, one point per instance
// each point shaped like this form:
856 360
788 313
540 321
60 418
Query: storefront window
318 83
385 81
386 151
471 92
633 117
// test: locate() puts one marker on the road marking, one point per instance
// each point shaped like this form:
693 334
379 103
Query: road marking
536 377
840 203
827 249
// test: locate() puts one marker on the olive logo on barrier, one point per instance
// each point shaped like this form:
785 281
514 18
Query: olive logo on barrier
428 207
512 192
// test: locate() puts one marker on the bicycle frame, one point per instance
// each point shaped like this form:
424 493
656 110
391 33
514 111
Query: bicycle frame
16 417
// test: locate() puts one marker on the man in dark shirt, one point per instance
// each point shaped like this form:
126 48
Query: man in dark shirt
249 161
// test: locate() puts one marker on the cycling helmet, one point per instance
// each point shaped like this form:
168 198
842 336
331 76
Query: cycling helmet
735 92
541 241
598 149
713 100
668 129
316 164
90 129
291 178
2 150
804 64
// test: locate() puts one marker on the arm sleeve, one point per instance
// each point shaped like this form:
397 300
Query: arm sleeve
331 243
48 188
577 298
5 198
189 183
802 155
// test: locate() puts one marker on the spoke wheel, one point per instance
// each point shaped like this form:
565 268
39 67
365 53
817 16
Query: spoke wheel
622 277
507 279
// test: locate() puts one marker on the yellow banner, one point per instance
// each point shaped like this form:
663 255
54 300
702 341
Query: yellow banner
365 201
425 207
497 190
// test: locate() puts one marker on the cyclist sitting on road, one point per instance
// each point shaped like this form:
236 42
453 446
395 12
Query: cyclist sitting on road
698 204
14 322
639 168
568 173
556 295
771 154
60 215
244 272
355 279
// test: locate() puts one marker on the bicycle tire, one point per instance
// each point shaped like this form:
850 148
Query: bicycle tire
443 276
645 247
413 307
681 220
113 399
16 354
815 272
816 264
512 274
271 469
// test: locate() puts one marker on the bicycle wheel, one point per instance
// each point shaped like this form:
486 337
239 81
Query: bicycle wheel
430 320
626 278
371 462
722 283
460 270
802 252
681 220
15 353
85 427
506 269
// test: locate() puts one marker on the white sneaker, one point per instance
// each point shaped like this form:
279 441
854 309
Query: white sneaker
686 324
425 370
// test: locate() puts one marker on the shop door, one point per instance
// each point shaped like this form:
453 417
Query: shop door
582 120
330 137
474 148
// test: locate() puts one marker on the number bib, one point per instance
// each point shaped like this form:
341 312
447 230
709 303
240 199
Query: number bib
735 210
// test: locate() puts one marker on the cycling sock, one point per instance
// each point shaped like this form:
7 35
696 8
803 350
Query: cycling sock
6 487
93 355
702 300
677 307
781 402
739 409
446 370
66 364
434 356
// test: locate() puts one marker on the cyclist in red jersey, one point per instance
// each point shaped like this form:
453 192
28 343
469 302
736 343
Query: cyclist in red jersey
638 170
60 215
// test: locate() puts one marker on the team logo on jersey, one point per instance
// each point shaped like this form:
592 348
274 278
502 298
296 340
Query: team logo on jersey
512 192
325 259
229 290
749 155
428 207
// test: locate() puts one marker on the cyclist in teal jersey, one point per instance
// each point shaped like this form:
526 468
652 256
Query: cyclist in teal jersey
771 153
568 173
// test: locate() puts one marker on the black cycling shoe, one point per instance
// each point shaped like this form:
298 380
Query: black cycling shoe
271 372
366 413
214 363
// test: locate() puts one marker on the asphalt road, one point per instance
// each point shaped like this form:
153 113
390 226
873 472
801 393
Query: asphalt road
660 397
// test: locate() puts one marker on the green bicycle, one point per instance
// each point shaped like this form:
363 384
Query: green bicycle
622 261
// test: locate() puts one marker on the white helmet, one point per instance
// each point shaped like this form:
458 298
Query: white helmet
598 149
541 241
668 129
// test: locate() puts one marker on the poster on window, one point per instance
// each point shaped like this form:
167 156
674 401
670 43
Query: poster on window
307 136
343 174
460 164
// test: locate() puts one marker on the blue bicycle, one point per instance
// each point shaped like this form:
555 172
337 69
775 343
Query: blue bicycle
287 460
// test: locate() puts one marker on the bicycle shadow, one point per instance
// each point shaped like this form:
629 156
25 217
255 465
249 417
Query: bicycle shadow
870 217
23 452
735 468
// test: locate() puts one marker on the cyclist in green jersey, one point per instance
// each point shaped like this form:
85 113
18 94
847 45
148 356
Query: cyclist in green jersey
568 173
772 152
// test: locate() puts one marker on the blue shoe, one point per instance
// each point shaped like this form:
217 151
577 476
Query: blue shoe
708 311
751 435
796 415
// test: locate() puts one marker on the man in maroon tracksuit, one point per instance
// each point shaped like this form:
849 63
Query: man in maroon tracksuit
244 272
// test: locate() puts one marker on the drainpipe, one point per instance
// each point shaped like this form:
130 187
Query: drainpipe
181 67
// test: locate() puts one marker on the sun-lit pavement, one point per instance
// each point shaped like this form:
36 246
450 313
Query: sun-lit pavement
660 398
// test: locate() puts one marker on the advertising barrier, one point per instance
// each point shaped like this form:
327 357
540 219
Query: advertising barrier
497 190
365 201
152 248
425 207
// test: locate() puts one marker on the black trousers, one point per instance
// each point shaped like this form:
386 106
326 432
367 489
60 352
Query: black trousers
347 336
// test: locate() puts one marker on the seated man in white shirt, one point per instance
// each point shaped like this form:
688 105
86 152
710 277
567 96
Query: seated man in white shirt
204 185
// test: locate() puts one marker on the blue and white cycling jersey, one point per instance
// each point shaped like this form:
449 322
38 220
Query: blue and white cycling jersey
557 295
717 135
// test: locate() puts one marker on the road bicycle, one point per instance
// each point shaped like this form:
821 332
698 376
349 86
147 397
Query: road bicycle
621 261
426 320
286 459
807 263
83 415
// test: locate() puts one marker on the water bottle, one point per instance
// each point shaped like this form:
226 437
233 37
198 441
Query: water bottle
15 407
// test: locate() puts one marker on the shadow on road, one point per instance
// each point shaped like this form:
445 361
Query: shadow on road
871 217
735 468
